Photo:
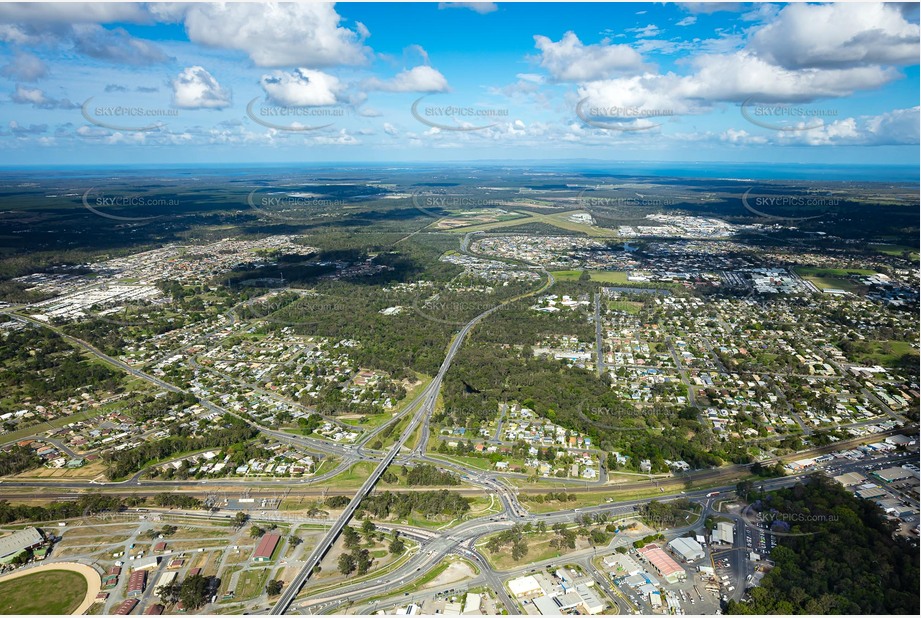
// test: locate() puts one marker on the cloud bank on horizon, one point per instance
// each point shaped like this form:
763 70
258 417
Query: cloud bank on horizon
238 82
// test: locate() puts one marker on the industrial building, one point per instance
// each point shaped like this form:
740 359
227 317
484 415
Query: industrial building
472 603
849 479
137 583
591 602
266 547
663 564
146 563
724 532
547 606
126 607
153 610
689 549
14 544
622 565
165 580
889 475
526 586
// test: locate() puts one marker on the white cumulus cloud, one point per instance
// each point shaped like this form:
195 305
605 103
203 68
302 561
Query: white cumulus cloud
278 34
417 79
838 35
301 87
570 60
196 88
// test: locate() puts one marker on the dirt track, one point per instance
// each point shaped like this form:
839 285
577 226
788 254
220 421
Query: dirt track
93 581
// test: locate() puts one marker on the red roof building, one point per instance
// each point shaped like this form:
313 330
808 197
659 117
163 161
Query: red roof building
266 547
125 608
663 563
136 583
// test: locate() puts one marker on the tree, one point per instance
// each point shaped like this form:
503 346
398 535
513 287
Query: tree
194 591
337 502
273 588
368 527
239 519
397 546
255 532
350 538
170 592
294 540
363 560
346 564
519 550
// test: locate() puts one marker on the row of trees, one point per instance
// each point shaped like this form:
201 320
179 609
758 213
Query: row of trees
89 504
426 503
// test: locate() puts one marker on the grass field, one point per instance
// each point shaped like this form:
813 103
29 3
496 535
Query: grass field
61 593
416 585
816 271
539 549
251 584
833 278
627 306
354 477
885 353
898 251
475 462
602 276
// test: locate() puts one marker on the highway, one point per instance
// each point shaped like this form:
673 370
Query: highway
428 397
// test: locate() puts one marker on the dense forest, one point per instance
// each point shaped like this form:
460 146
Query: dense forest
17 459
426 503
843 558
426 474
39 363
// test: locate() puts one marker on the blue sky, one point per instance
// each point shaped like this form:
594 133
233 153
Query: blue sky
97 83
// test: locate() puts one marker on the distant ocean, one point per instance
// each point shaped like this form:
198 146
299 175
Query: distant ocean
756 171
715 170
